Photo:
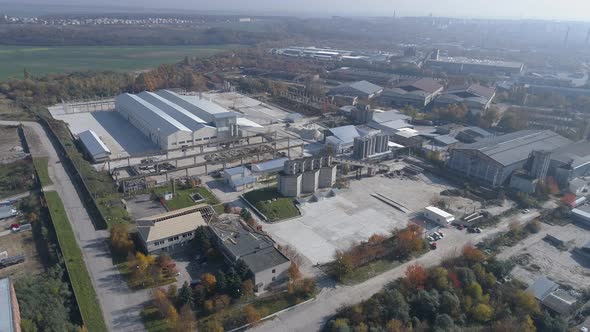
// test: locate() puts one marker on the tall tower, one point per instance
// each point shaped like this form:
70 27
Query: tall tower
567 35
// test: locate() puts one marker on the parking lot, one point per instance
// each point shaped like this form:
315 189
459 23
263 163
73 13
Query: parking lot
353 215
536 257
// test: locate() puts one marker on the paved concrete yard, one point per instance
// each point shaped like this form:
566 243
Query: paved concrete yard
352 216
120 136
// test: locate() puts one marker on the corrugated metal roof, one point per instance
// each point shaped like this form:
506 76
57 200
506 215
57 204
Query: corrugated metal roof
577 153
445 139
93 143
201 107
237 170
6 319
392 115
515 147
542 287
171 227
346 134
271 165
151 114
188 119
364 87
428 85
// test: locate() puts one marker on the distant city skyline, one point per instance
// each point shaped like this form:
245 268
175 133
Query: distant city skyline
511 9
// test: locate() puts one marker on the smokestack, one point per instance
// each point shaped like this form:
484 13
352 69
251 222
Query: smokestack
567 34
588 37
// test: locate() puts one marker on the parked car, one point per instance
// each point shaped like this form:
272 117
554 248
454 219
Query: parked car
441 234
433 245
15 227
195 282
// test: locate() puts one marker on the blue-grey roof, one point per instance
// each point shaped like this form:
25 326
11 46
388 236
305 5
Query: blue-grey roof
446 139
236 171
394 124
393 115
363 87
6 314
243 181
93 143
479 131
577 154
516 147
346 134
270 166
542 287
6 211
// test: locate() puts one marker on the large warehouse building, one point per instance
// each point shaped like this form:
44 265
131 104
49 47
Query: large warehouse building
492 160
171 120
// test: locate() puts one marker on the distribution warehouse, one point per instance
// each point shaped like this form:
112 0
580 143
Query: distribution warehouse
171 120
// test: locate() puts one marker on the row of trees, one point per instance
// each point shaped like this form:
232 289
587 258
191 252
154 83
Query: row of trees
400 246
461 293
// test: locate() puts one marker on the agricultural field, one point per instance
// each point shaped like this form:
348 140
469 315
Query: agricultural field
45 60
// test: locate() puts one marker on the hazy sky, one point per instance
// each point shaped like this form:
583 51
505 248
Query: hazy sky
553 9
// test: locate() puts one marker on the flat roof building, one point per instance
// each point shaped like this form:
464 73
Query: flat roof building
492 160
94 146
239 177
239 241
463 65
438 216
171 230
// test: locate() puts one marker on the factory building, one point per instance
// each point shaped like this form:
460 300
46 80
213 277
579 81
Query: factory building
161 128
463 65
492 160
306 175
418 93
365 147
475 97
10 319
361 89
570 162
171 120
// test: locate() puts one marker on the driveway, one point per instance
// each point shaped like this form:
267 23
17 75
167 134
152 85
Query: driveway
313 316
121 307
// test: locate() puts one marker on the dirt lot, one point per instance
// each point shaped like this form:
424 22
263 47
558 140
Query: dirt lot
142 206
536 257
20 243
11 149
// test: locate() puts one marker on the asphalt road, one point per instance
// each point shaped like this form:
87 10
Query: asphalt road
121 307
313 316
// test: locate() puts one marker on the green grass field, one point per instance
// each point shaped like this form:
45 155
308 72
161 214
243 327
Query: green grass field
279 209
42 171
44 60
79 277
183 197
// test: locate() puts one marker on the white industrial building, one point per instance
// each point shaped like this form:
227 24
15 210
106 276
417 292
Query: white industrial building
94 146
438 216
171 120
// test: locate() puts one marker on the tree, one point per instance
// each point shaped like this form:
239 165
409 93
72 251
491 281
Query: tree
120 240
362 327
172 292
416 276
245 214
395 325
450 304
185 296
170 314
343 265
482 312
226 208
187 321
408 240
473 254
294 273
397 308
252 315
526 303
248 288
444 323
209 281
439 278
242 269
339 325
424 305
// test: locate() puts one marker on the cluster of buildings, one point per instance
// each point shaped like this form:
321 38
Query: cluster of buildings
171 231
421 93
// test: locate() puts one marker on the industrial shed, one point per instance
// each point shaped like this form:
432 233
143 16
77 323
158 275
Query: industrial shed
161 128
360 89
213 114
492 160
94 146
